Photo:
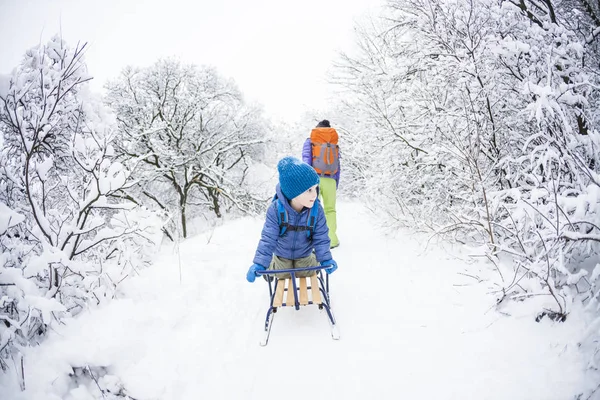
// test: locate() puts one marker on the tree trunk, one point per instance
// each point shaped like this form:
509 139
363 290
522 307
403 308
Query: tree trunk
183 223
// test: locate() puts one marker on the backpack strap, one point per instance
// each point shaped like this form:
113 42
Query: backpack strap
282 216
284 226
312 219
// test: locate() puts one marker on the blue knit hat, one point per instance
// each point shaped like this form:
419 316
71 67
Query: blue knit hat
295 177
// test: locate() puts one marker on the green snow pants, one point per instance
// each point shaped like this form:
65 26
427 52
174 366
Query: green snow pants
328 192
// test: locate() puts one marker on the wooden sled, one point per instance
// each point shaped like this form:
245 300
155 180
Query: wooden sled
296 292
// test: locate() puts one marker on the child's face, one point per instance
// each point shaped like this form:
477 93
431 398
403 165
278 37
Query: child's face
307 199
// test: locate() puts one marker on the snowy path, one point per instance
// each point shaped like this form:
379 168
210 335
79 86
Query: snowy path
412 327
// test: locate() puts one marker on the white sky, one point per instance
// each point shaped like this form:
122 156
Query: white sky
277 51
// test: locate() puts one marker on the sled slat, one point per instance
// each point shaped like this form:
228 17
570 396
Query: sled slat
279 293
303 292
314 288
289 300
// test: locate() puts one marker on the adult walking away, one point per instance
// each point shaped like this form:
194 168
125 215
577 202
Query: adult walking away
322 152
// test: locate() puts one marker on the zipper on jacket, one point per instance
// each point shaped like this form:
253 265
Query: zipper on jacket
299 219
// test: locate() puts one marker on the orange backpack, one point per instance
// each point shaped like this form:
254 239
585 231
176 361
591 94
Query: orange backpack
325 151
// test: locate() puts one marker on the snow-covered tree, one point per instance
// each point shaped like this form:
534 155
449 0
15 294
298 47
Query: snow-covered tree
188 137
66 234
479 119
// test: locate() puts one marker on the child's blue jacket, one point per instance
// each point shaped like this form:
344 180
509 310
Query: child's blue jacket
293 244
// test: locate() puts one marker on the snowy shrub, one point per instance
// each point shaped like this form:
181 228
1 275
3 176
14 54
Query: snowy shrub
67 234
98 382
478 120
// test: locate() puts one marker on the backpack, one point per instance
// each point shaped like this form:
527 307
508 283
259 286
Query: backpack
325 151
284 226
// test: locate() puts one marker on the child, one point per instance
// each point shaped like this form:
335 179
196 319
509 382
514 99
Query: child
297 193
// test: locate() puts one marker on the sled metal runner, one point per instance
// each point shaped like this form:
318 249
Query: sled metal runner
293 292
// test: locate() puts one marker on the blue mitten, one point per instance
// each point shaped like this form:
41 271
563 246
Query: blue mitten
251 275
330 269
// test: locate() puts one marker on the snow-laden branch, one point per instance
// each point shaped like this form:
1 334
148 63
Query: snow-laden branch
179 123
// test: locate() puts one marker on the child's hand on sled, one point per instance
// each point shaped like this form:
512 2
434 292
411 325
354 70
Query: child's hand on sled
252 272
330 269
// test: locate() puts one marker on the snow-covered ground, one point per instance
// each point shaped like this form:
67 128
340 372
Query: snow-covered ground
412 327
